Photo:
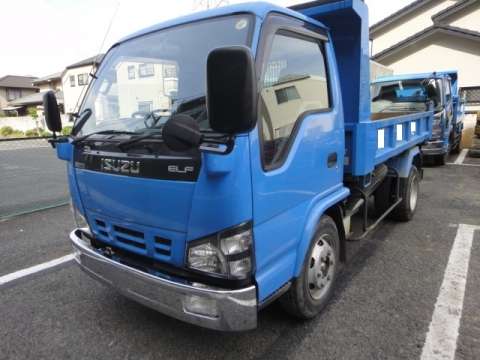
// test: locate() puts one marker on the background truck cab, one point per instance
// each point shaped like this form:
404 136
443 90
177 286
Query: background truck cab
413 92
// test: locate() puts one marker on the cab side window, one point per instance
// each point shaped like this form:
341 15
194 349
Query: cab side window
294 82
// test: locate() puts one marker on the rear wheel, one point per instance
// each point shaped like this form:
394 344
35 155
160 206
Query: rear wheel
409 190
312 290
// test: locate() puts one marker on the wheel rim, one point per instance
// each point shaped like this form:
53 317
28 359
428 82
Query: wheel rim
414 194
321 268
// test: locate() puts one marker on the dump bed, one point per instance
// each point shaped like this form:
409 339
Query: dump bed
369 142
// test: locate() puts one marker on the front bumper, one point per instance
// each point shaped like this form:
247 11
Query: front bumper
235 310
434 147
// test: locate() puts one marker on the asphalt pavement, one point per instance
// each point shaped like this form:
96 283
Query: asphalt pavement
31 177
381 309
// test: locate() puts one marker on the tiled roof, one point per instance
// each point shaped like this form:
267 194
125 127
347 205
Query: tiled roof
15 81
48 78
396 15
425 33
89 61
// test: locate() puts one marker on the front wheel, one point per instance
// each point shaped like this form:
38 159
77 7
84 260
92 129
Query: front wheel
312 290
409 190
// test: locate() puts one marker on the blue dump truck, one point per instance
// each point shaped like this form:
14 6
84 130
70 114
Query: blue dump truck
413 93
222 161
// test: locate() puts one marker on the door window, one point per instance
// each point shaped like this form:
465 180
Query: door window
295 81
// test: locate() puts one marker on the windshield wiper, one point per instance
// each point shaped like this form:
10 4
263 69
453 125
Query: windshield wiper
105 132
150 135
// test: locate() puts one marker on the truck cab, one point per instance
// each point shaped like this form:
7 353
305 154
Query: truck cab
218 160
414 92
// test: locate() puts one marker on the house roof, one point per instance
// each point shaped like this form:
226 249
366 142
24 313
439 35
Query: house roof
396 15
442 15
34 99
85 62
48 78
15 81
451 30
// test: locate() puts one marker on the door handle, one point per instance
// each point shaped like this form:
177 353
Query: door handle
332 160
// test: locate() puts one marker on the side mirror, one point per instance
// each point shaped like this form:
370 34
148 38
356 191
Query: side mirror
181 133
52 115
231 90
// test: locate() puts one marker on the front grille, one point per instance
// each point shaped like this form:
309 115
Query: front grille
132 239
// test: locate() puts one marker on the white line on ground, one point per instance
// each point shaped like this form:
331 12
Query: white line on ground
441 341
469 165
34 269
461 157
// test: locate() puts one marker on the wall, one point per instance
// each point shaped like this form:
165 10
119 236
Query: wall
24 123
72 94
3 98
408 25
440 52
53 85
378 70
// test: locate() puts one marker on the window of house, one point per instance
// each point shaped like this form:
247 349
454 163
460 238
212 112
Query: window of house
131 72
13 94
72 80
294 82
145 106
82 79
146 70
169 71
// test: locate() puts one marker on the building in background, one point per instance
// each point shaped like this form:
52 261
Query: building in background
433 35
75 78
46 83
50 82
13 87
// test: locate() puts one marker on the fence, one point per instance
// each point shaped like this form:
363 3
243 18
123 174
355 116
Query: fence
31 176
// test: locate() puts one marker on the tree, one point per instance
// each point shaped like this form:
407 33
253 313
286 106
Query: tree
208 4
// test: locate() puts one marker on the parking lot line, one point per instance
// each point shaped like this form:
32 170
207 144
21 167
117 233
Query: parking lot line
467 165
461 157
441 341
34 269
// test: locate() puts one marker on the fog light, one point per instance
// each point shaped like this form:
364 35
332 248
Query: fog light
199 305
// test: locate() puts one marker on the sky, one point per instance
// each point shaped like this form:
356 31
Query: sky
41 37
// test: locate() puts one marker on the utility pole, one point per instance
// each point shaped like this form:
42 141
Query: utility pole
208 4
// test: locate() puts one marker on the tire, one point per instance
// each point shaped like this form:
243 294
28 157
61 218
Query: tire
312 290
458 146
409 190
440 160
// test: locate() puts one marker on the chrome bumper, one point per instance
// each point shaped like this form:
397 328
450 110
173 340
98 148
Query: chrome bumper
234 310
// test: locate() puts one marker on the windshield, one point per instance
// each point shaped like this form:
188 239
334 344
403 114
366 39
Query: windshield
143 81
405 95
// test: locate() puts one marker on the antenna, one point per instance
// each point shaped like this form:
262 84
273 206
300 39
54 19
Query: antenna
95 59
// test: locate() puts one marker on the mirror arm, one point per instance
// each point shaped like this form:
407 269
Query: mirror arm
228 141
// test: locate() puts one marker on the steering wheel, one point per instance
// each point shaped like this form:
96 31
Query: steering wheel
145 116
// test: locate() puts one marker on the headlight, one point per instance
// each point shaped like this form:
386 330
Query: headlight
227 253
79 219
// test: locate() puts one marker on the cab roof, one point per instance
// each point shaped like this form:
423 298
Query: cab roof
259 9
